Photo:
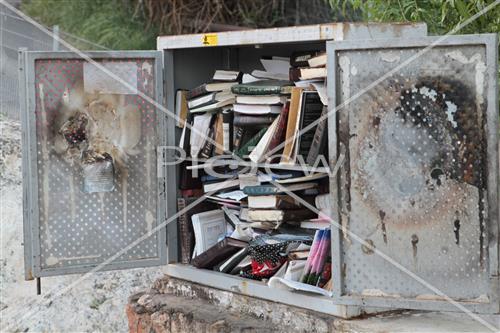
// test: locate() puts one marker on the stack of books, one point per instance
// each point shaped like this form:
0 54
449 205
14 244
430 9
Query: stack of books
308 68
268 119
260 115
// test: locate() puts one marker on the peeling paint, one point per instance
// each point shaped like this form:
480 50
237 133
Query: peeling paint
344 63
451 109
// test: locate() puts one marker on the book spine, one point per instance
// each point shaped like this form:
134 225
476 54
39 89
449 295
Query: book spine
197 104
294 74
237 138
318 142
227 129
312 108
312 256
244 120
181 108
292 126
260 190
185 237
247 148
255 90
195 92
300 59
219 135
208 147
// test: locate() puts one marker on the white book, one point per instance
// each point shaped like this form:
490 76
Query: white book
213 106
257 108
307 83
307 178
208 228
223 185
219 86
183 137
249 179
248 78
199 132
204 99
260 149
222 75
277 65
317 61
313 73
268 75
260 99
315 225
210 98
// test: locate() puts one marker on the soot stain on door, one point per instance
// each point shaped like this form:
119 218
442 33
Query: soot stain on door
425 143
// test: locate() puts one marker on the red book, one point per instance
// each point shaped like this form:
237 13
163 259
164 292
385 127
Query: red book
279 134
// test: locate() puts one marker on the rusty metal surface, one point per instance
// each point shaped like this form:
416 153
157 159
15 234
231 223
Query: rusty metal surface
416 183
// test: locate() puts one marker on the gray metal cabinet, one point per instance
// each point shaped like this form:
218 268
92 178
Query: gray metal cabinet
419 191
385 253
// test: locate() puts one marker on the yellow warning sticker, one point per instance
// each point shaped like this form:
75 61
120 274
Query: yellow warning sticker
209 40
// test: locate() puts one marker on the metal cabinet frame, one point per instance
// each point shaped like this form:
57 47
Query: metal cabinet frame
29 155
489 42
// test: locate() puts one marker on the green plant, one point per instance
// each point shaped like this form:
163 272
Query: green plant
441 16
111 23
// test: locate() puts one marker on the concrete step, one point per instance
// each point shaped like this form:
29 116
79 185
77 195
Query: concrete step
175 305
172 302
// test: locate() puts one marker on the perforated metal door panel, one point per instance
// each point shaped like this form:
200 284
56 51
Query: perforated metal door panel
91 187
418 120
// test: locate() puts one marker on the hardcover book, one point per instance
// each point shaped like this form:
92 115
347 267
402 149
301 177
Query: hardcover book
260 99
297 74
279 133
320 139
277 215
243 120
292 126
266 87
279 201
218 252
209 87
311 111
186 231
257 109
300 58
247 148
181 108
208 228
271 189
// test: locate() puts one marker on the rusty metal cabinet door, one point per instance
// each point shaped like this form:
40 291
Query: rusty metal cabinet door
94 198
418 193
